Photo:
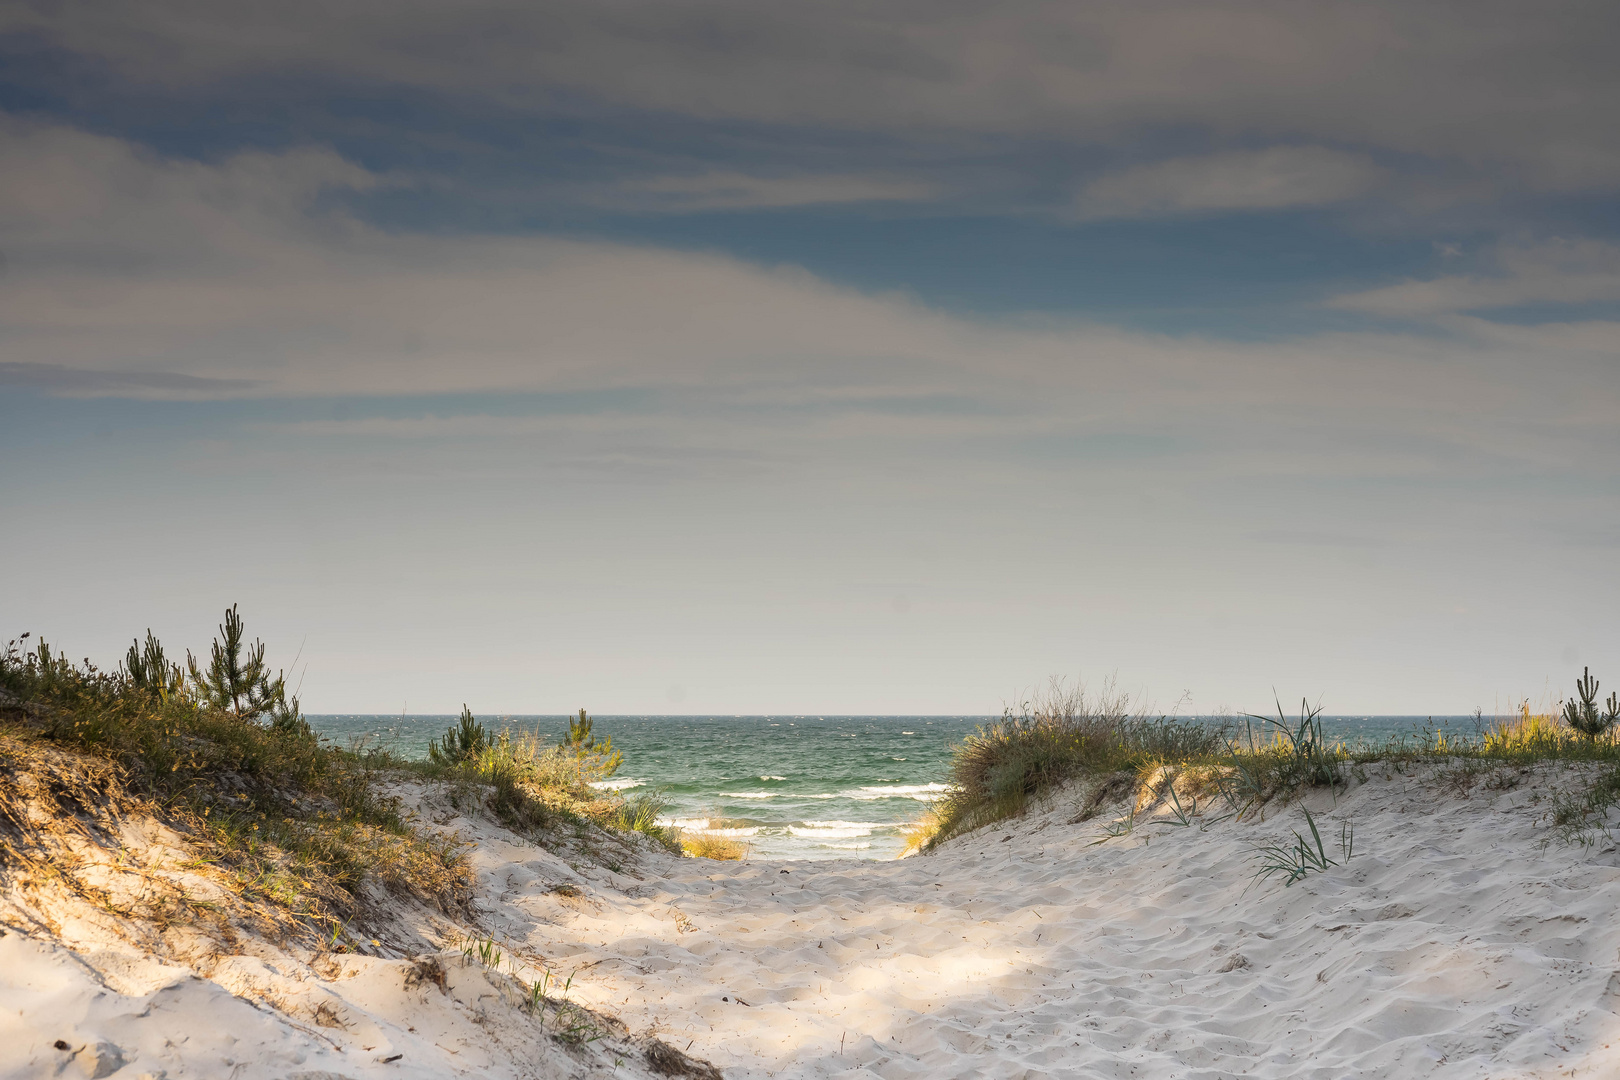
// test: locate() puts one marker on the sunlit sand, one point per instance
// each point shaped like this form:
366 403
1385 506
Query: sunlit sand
1454 941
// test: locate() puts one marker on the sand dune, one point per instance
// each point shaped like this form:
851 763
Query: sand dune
1453 943
1456 942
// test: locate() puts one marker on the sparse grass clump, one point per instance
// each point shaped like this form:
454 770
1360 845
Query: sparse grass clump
1305 856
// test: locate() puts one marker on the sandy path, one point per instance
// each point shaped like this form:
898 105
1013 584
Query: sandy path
1457 943
1453 944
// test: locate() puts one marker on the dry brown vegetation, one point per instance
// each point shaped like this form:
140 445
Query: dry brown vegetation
700 845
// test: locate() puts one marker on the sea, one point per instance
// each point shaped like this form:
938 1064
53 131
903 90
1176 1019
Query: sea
792 787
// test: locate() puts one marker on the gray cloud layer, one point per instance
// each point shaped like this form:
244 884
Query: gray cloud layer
1516 93
231 279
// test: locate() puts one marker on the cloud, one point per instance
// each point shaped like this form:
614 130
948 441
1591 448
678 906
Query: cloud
237 279
1282 177
1529 88
80 382
1556 272
739 191
688 451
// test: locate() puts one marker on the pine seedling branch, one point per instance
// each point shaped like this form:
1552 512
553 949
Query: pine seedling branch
1583 715
147 668
238 681
461 742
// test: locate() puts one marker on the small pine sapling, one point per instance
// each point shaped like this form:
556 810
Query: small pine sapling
462 741
147 668
579 732
584 744
238 680
1583 715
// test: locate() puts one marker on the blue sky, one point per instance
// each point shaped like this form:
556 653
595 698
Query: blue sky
718 357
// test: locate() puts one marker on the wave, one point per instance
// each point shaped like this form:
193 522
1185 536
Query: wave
920 792
834 830
773 778
624 784
705 826
683 823
847 824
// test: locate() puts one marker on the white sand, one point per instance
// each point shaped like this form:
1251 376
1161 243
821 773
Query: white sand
1455 943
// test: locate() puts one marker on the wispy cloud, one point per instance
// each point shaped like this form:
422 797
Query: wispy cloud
741 191
1558 272
1280 178
82 382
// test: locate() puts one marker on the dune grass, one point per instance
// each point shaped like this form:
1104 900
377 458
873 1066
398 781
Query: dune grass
533 786
1061 734
1244 765
293 823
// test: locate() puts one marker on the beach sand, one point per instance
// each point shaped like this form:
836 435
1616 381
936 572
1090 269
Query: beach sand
1457 942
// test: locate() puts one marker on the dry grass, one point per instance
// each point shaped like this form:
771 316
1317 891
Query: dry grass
1061 734
1191 767
709 846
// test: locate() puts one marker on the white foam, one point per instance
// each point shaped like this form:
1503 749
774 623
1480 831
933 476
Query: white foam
706 827
773 778
684 823
825 834
846 825
920 792
622 784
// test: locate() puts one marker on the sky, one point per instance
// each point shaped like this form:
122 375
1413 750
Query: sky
702 356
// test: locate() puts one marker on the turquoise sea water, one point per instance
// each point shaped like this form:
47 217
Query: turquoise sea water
795 787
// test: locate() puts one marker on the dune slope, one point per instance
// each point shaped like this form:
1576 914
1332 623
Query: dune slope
1455 942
